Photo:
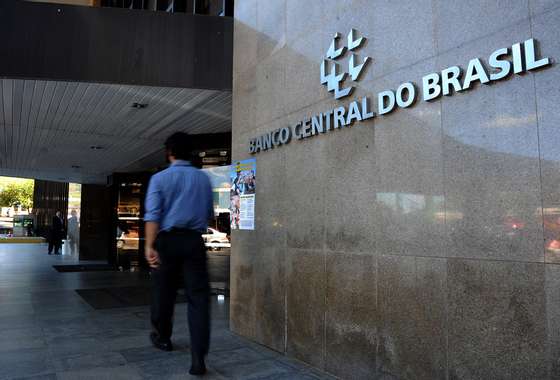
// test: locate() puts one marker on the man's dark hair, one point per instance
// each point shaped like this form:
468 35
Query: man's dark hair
179 146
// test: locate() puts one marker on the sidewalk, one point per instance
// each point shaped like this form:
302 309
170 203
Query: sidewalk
49 332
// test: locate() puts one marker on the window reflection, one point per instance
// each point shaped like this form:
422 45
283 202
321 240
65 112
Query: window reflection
552 233
407 203
129 223
217 236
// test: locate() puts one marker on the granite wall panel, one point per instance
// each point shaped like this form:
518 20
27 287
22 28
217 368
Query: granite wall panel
553 318
306 295
497 323
413 326
242 285
351 315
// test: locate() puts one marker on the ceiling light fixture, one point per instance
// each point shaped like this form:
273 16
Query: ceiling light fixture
139 105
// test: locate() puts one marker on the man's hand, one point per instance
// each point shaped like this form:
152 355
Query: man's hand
152 257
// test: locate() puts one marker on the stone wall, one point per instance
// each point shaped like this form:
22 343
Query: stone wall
418 245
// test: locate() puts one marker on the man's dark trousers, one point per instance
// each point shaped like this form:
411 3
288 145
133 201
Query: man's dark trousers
56 234
182 252
56 244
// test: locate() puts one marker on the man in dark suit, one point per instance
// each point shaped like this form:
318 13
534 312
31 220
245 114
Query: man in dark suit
56 234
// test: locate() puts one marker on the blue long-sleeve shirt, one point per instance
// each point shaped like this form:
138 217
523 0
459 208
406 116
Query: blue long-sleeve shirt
181 197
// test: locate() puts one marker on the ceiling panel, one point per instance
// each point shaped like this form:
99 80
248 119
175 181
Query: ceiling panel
47 128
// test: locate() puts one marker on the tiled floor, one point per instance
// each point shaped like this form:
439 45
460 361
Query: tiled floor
48 332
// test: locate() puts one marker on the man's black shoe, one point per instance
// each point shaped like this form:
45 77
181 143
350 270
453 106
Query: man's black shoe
198 368
164 345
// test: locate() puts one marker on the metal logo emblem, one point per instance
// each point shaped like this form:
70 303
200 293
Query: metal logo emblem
330 75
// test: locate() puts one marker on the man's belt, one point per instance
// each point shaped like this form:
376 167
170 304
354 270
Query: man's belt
182 231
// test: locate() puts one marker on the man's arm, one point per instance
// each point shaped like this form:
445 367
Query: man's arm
210 200
152 229
152 219
152 256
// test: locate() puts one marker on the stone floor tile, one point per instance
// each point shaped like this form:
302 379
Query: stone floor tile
301 376
225 341
24 363
88 361
126 341
21 343
259 369
147 353
18 333
235 356
17 322
49 376
102 373
75 329
164 368
68 346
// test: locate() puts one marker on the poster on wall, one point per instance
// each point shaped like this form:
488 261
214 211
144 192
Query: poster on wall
242 194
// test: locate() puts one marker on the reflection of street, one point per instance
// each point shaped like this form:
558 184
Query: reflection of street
128 241
215 240
552 233
217 246
6 225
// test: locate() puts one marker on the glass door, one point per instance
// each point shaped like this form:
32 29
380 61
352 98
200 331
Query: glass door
129 224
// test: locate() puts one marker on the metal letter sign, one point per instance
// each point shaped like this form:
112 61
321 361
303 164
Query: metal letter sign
519 58
329 67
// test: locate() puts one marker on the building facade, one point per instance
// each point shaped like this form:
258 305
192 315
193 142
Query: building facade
421 243
89 94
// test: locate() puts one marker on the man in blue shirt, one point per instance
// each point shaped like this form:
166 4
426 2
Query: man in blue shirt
178 207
